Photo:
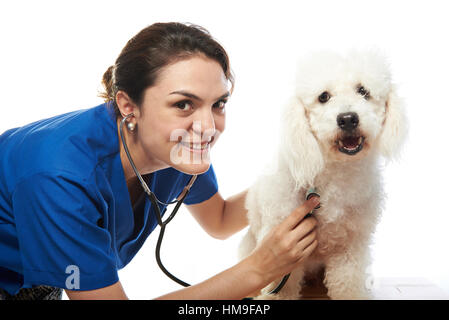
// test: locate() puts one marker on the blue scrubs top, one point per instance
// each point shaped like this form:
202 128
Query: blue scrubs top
64 202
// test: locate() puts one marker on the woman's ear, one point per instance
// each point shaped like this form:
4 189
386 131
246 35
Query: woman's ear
125 104
299 150
395 126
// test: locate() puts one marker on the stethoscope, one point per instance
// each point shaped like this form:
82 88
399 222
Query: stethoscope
179 200
154 201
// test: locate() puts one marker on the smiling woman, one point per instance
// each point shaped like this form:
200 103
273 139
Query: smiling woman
168 124
72 210
152 77
79 186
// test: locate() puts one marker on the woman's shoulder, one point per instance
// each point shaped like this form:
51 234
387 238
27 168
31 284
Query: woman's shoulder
71 142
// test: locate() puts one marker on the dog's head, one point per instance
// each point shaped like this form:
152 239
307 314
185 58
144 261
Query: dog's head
344 108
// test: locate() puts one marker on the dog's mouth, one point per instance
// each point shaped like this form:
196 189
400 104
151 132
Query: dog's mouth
350 145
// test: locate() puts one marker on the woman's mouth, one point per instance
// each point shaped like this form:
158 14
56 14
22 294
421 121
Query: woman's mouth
196 147
350 145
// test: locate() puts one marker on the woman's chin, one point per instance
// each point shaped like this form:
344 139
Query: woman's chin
192 168
188 161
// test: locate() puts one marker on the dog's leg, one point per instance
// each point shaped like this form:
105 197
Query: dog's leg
346 275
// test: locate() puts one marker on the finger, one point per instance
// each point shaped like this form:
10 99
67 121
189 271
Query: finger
298 249
307 251
306 241
306 226
299 213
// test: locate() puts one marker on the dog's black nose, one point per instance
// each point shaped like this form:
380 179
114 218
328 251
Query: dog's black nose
348 121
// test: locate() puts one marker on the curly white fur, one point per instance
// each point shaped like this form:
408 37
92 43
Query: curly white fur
350 185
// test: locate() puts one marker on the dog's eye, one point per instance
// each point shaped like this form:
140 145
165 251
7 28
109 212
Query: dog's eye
324 97
365 93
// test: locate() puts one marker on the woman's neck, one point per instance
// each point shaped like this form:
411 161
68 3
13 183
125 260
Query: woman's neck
143 164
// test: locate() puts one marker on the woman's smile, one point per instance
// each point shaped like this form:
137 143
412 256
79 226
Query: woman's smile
196 147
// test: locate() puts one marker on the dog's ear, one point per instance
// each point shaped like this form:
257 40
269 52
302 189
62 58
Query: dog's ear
299 150
395 126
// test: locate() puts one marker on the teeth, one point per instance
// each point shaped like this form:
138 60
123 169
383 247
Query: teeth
197 146
340 143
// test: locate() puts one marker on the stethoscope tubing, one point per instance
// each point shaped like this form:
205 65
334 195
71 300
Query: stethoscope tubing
154 201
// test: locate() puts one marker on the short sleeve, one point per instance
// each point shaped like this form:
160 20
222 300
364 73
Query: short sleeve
205 187
59 240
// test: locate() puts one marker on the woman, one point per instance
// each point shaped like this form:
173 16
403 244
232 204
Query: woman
72 211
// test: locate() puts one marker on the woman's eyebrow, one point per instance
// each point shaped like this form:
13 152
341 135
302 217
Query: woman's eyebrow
192 96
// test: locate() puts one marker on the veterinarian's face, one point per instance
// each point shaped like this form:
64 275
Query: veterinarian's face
346 118
183 114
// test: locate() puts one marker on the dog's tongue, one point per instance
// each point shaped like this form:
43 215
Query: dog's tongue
351 142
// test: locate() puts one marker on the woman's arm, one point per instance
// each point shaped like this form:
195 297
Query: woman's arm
221 218
234 283
283 249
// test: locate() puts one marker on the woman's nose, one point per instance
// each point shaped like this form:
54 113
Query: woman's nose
204 123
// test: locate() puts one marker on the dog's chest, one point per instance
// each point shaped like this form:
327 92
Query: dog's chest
337 235
341 216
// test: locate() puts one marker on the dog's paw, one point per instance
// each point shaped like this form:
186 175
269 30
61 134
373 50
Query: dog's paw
353 295
266 297
364 295
276 297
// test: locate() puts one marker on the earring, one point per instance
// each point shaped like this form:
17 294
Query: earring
131 126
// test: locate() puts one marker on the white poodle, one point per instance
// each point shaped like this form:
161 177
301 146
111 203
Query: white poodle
344 115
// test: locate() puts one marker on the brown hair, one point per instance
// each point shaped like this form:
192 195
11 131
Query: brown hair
140 61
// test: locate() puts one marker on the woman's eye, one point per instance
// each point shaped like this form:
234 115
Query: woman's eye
184 105
220 104
324 97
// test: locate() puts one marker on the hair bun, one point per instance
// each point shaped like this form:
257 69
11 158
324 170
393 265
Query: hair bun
108 85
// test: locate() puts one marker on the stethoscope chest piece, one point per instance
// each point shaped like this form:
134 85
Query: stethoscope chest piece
310 193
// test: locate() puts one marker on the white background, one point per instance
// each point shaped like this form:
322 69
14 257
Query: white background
53 55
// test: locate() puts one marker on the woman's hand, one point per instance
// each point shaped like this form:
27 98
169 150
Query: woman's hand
287 245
